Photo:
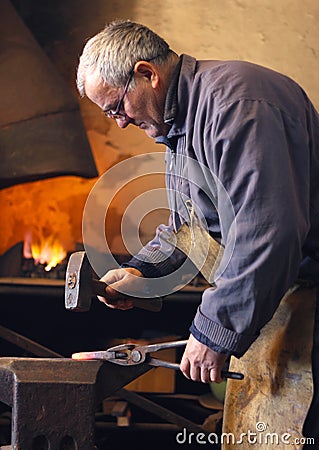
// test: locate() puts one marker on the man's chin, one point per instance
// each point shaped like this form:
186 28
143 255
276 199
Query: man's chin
154 132
151 132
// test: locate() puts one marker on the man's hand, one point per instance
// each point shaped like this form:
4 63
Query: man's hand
121 281
200 363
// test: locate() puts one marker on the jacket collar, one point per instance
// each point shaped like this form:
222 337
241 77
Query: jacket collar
177 98
170 109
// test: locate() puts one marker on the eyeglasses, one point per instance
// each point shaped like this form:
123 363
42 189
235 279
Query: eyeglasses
115 113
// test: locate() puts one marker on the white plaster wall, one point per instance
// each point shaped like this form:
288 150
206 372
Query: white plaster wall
281 34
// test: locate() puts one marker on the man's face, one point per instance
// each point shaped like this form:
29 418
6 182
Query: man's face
143 106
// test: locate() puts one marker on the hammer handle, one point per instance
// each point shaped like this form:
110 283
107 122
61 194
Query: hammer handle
149 304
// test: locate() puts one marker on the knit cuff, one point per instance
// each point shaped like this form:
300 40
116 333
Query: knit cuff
227 341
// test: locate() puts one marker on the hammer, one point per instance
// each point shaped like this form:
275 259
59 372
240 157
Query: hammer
80 287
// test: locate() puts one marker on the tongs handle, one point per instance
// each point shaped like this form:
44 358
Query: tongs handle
139 353
232 375
170 365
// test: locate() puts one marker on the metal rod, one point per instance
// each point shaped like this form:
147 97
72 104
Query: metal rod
27 344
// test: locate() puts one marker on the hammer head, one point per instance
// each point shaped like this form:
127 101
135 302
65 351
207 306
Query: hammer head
78 283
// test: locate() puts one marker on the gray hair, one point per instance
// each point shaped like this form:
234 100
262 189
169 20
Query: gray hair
114 51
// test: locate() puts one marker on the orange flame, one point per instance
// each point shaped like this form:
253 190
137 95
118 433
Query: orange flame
48 252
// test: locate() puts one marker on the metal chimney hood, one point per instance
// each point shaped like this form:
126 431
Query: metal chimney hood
41 130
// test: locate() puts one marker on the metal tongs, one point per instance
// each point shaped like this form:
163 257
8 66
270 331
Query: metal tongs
131 354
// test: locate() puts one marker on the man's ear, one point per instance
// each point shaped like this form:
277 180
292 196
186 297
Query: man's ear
144 69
